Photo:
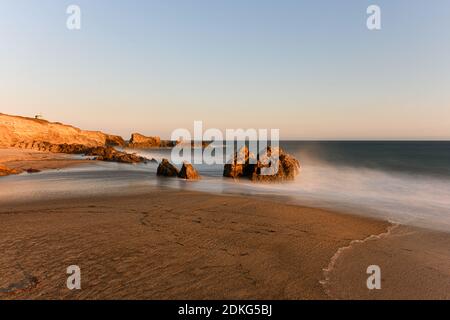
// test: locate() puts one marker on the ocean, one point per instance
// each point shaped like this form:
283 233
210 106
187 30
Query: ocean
402 181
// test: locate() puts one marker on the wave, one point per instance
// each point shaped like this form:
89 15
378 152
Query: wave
400 196
331 265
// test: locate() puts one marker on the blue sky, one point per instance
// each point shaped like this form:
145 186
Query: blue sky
310 68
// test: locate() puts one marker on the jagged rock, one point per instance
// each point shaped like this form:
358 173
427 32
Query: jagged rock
188 172
111 154
5 171
167 169
140 141
240 165
112 140
102 153
287 166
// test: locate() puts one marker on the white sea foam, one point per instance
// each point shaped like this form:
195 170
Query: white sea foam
420 200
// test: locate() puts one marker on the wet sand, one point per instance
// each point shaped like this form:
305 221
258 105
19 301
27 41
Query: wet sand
22 160
169 244
164 243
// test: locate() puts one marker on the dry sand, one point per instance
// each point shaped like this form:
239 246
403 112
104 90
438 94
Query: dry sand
172 244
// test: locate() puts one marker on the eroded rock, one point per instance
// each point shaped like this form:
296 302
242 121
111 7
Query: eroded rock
262 168
167 169
188 172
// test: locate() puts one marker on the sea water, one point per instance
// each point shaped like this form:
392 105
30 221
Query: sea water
405 182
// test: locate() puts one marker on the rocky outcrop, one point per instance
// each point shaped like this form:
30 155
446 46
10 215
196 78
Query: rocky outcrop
55 148
167 169
5 171
244 164
103 153
42 135
113 141
188 172
139 141
288 167
111 154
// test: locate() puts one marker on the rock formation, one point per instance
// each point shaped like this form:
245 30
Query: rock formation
112 140
244 164
5 171
42 135
288 167
111 154
139 141
103 153
167 169
188 172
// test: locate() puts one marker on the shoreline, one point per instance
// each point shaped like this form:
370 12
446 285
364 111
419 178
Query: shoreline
204 246
21 160
264 250
164 243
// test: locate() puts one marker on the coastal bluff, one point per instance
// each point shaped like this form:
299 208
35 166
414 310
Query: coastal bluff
53 137
16 129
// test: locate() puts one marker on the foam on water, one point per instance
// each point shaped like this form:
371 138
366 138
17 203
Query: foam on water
401 196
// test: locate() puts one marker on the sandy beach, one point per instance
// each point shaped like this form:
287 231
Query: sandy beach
22 160
162 243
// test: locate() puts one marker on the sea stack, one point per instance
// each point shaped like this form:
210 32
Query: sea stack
188 172
167 169
260 169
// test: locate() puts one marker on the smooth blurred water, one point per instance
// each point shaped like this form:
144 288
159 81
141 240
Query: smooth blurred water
406 182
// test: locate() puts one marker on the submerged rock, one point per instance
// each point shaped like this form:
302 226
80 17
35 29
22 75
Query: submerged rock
188 172
263 169
167 169
111 154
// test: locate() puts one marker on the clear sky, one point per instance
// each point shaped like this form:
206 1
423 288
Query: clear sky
310 68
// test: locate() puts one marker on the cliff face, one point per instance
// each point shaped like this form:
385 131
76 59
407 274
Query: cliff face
16 129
